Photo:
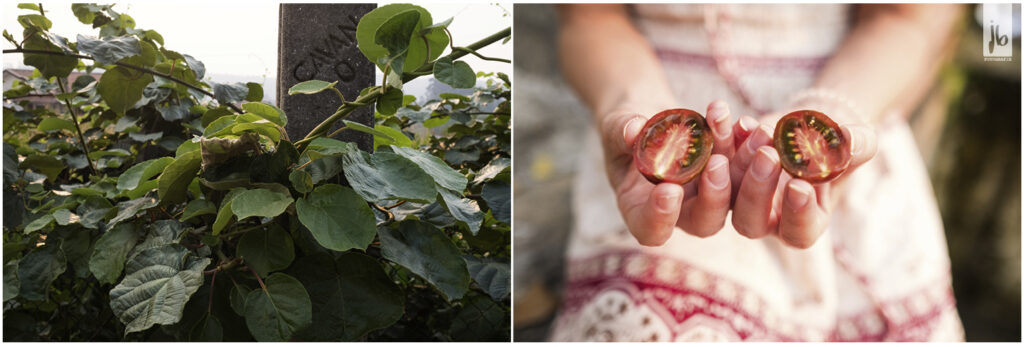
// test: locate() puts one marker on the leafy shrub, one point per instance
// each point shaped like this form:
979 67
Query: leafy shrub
157 206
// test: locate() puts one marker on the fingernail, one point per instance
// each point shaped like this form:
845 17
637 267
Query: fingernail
763 165
797 195
668 202
758 139
632 123
748 124
717 177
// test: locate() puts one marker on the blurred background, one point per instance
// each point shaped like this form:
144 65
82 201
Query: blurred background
968 130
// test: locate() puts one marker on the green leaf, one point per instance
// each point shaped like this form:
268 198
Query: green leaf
439 25
207 329
365 129
443 174
111 251
93 210
49 65
197 208
109 50
326 147
77 247
28 6
226 214
142 171
480 319
493 168
268 112
266 249
352 293
147 58
387 176
260 202
494 277
64 217
464 210
301 181
39 223
276 313
158 283
255 92
54 123
389 103
436 122
46 165
457 74
122 87
429 253
498 196
416 56
128 209
395 35
337 217
35 20
38 269
237 298
311 87
177 176
11 283
394 137
227 93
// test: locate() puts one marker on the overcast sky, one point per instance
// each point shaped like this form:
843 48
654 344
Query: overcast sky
240 38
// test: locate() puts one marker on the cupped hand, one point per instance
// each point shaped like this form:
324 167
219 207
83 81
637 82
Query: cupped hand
651 211
768 201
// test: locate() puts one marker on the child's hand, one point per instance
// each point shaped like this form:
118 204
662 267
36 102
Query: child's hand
769 201
652 211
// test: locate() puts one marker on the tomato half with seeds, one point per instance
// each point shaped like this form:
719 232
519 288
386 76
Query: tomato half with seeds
674 146
811 146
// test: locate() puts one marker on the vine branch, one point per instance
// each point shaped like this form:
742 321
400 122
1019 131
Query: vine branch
81 138
130 66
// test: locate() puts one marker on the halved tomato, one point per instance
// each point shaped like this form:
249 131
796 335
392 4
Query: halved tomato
811 146
674 146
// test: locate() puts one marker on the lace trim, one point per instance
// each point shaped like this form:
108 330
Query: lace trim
607 295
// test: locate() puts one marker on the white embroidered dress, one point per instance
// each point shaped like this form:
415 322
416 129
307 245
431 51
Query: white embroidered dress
880 272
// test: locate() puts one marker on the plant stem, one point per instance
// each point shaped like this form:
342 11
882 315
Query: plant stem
78 129
130 66
481 56
264 286
213 281
429 68
336 132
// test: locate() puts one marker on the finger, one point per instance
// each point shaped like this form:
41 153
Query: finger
620 132
863 143
740 163
705 214
801 221
651 213
719 120
742 130
752 214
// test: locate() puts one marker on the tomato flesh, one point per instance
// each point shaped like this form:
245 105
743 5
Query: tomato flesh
674 146
811 146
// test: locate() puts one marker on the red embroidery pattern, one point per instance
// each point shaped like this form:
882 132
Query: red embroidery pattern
684 297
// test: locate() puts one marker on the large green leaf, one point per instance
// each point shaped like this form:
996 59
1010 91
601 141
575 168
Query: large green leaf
389 103
94 210
122 87
366 32
457 73
227 93
11 283
111 49
429 253
261 203
310 87
464 210
386 176
128 209
268 112
492 170
158 283
111 251
276 313
46 165
177 176
394 137
226 214
207 329
38 269
197 208
480 319
266 249
54 123
498 196
49 65
443 174
395 35
142 171
352 293
337 217
494 277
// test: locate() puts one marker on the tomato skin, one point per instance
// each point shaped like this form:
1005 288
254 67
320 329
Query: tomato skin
811 146
674 146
